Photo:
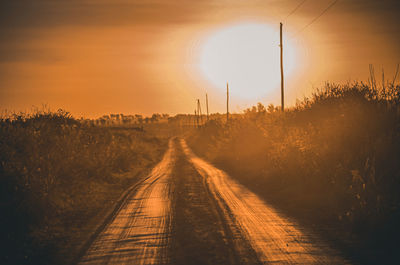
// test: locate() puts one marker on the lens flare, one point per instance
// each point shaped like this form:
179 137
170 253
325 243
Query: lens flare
248 57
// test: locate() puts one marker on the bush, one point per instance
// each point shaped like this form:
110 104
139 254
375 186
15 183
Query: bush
56 174
333 158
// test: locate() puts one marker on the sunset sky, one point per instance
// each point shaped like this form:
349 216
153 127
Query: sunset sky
94 57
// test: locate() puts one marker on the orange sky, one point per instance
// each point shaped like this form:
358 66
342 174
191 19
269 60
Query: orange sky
118 56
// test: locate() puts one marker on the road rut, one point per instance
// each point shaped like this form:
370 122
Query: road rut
274 238
187 209
140 231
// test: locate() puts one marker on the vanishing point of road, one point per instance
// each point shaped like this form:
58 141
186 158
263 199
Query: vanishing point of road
186 211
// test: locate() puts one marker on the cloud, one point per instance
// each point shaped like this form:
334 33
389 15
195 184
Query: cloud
53 13
26 22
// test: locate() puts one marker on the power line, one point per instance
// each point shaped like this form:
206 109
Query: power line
295 9
320 15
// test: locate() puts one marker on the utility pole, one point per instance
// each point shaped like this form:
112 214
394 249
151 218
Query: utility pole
207 105
227 102
195 118
282 80
199 113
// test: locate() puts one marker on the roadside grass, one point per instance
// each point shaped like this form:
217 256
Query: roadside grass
331 161
58 177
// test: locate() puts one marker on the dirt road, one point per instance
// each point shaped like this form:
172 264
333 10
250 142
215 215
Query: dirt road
272 236
140 231
189 212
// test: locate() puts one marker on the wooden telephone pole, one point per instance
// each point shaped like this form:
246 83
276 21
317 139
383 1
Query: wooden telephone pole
282 80
227 102
199 114
207 105
195 119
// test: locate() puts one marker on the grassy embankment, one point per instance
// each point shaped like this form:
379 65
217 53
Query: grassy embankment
59 178
332 162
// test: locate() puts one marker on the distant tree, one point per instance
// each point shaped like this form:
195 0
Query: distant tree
125 120
155 117
139 118
261 108
251 110
271 108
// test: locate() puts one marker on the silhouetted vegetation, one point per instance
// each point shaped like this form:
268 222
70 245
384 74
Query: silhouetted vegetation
121 120
58 175
331 161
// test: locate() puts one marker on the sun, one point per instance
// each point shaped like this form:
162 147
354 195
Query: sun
247 56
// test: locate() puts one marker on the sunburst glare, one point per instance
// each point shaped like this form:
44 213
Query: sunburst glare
246 56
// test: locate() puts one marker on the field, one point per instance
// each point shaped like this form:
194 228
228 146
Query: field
330 162
58 179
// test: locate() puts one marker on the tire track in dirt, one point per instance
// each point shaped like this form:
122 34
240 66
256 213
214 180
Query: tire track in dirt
200 234
274 238
140 231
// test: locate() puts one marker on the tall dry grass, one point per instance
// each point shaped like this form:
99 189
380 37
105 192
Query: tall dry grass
56 176
332 160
